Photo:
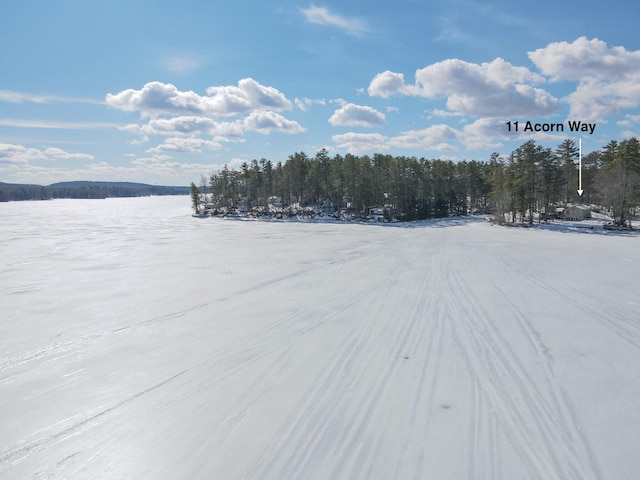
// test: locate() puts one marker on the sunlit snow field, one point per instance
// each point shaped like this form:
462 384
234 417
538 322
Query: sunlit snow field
138 342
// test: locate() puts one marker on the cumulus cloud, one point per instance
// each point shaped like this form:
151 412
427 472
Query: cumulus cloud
266 122
436 137
189 126
322 16
515 100
495 88
248 95
608 78
484 133
585 59
450 76
388 84
608 82
357 116
191 122
157 98
360 142
184 145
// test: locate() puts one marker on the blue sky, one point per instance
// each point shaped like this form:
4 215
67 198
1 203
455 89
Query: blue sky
164 92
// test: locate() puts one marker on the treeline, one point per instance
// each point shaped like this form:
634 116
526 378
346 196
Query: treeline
414 188
84 189
531 180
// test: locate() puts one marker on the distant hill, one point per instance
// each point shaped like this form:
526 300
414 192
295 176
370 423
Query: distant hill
84 189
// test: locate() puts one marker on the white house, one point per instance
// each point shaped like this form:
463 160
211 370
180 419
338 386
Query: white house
577 212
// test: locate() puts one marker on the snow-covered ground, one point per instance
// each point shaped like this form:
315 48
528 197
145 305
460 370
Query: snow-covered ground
139 342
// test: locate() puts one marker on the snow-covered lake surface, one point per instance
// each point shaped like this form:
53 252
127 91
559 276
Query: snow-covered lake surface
137 342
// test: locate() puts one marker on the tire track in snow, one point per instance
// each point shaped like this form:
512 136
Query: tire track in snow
327 428
430 311
626 328
271 353
269 349
314 414
540 422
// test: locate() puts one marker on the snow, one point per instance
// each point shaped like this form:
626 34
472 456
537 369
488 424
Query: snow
139 342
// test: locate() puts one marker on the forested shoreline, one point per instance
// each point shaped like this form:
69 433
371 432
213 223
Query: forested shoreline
84 189
531 180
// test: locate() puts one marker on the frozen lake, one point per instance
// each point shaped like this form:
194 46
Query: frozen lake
138 342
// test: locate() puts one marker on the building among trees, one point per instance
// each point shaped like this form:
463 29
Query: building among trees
576 212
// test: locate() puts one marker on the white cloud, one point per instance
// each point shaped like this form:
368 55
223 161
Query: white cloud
19 154
357 115
496 88
184 145
16 154
19 123
54 152
266 122
322 16
247 96
184 117
21 97
515 100
436 137
304 103
189 125
608 83
452 75
629 120
436 112
484 133
388 84
585 59
155 159
360 142
157 98
608 78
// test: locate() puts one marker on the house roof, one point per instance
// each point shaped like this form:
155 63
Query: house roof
584 208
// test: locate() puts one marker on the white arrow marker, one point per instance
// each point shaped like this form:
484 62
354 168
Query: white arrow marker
580 170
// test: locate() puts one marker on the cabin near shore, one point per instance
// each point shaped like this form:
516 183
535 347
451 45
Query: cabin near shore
576 212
